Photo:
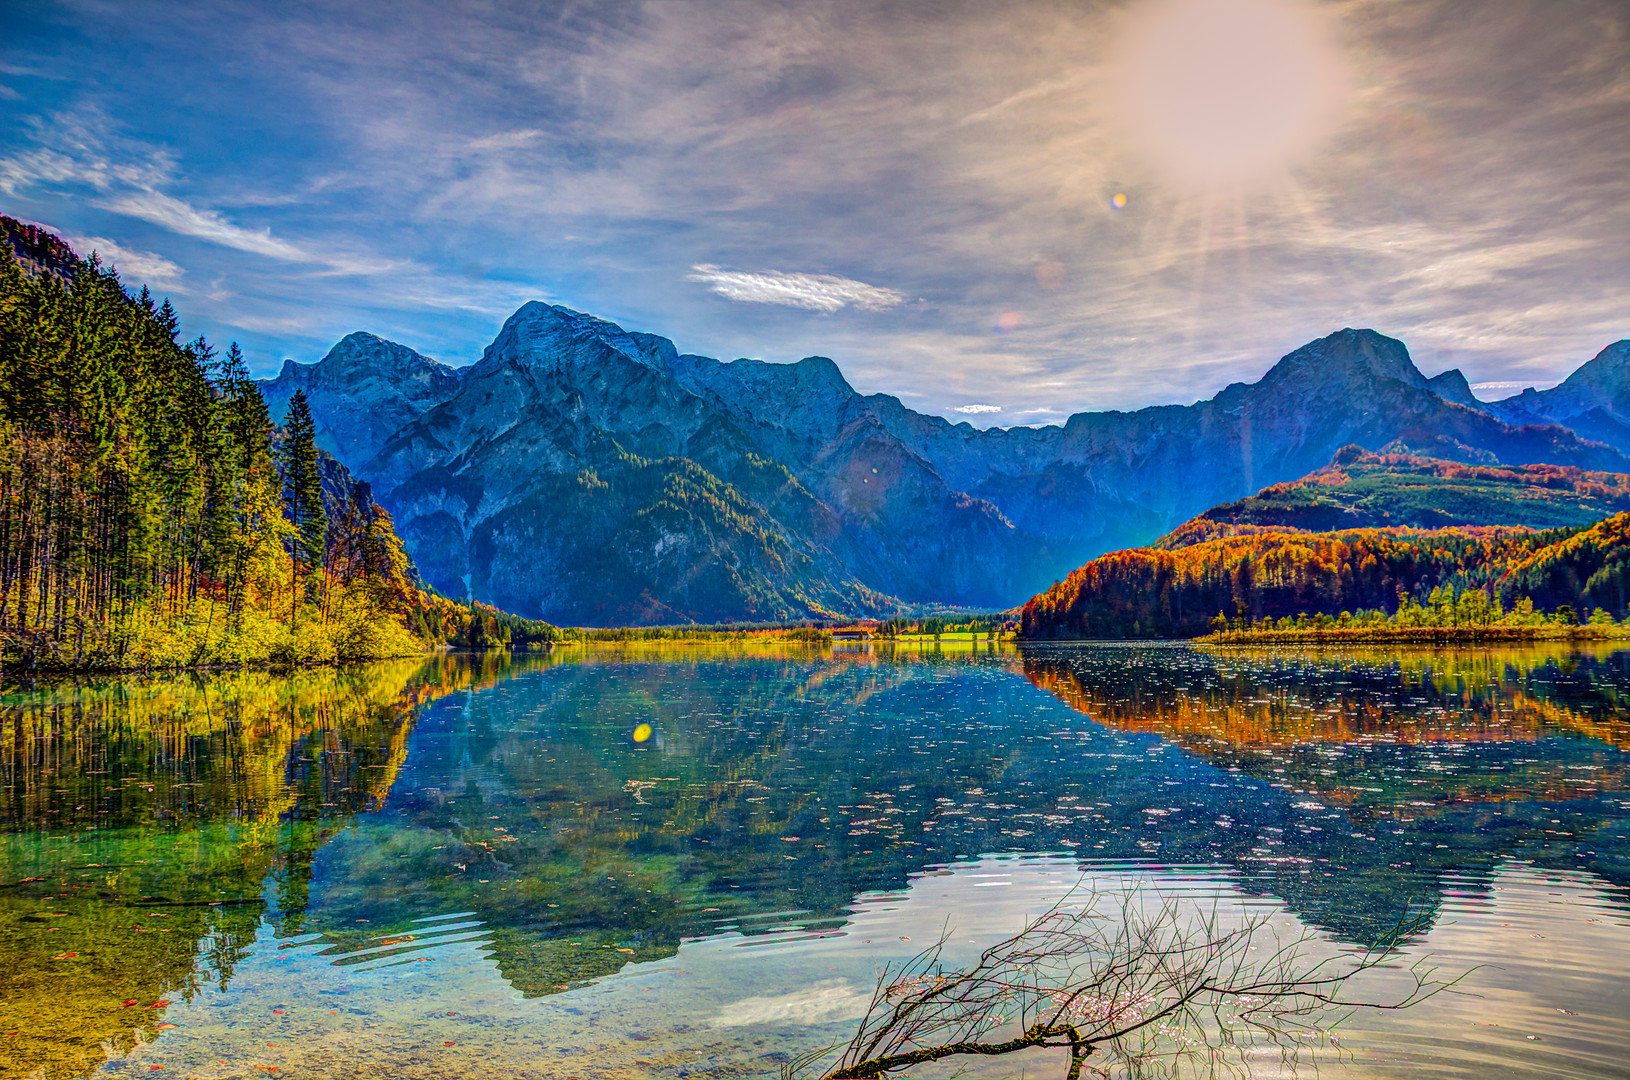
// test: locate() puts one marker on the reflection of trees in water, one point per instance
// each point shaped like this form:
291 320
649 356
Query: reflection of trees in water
1439 762
771 781
1321 722
139 822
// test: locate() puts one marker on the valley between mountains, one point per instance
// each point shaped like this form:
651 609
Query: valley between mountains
590 475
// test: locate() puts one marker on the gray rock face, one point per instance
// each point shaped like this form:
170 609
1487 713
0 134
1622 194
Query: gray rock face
362 392
1594 400
585 474
1452 386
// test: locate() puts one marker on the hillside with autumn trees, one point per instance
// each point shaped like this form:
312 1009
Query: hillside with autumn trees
153 515
1246 567
1360 490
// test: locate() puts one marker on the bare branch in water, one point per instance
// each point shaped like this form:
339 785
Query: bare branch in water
1136 981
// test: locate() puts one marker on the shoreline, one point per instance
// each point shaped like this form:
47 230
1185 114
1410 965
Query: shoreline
10 676
1418 635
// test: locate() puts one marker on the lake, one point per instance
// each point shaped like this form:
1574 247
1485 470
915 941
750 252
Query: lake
691 861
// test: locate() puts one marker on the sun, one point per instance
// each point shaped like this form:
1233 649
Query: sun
1218 93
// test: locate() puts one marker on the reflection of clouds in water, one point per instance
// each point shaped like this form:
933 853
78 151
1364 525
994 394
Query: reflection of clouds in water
825 1001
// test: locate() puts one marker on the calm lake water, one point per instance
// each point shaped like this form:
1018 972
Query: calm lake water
674 862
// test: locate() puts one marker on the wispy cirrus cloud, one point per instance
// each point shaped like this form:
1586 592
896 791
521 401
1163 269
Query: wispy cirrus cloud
977 409
179 216
813 292
83 149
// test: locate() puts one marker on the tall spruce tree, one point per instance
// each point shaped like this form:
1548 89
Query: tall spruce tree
303 489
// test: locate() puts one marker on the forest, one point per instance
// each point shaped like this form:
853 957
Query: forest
1406 576
152 515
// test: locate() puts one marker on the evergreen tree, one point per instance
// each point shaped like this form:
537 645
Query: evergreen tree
303 489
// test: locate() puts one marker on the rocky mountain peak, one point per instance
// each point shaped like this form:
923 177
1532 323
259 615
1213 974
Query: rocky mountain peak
550 338
1348 358
362 355
361 391
1606 377
1452 386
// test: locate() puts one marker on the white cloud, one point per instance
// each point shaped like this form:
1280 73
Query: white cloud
814 292
977 409
133 264
506 140
171 213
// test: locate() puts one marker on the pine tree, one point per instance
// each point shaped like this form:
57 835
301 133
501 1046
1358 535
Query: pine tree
302 489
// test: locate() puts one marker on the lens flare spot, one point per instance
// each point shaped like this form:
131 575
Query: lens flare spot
642 733
1006 322
1118 200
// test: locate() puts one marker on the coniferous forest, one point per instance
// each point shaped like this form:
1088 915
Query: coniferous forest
152 514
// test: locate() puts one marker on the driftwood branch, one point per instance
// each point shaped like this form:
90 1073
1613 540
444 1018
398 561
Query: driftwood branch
1037 1035
1133 977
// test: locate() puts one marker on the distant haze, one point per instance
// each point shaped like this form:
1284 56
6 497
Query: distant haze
1001 213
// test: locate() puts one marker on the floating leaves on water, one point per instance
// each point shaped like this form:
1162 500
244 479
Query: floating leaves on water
130 1002
167 1026
65 956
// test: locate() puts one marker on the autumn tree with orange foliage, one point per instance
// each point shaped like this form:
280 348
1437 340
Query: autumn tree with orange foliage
1270 574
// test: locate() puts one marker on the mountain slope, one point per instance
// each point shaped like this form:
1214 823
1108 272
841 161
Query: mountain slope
1361 490
497 472
1106 479
571 475
1594 401
361 393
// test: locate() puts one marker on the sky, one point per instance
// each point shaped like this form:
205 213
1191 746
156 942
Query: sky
1000 212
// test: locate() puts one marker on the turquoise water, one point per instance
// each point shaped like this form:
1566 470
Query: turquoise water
692 861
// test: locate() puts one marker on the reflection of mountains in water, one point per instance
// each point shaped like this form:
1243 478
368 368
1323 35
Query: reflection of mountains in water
773 787
140 823
796 782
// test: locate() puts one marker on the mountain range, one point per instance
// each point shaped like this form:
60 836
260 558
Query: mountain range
587 474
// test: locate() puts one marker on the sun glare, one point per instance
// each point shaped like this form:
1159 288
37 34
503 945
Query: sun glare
1220 92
